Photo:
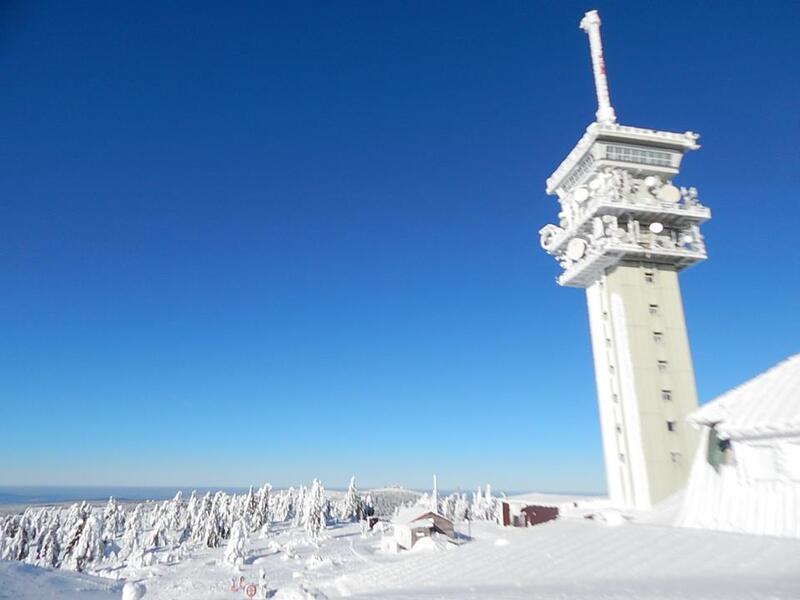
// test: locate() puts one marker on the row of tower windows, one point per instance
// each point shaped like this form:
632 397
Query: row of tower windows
658 337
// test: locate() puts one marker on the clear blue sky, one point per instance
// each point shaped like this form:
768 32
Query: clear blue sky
249 241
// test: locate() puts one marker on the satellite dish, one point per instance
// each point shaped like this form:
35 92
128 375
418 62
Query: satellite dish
580 194
669 193
656 227
595 184
576 248
651 181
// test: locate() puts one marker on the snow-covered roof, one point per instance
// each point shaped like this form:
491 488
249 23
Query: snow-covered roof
768 404
421 523
414 515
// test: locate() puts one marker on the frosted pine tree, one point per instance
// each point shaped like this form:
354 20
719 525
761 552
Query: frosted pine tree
299 505
73 530
461 508
133 529
113 520
211 535
490 504
262 517
192 506
283 506
89 548
174 512
158 535
351 506
237 544
201 519
477 503
49 550
220 509
18 549
250 506
314 512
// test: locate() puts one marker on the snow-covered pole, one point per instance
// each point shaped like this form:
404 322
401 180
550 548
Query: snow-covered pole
591 25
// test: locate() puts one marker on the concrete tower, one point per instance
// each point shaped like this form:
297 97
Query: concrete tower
624 232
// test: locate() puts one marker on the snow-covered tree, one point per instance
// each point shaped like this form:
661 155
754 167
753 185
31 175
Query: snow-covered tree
18 548
299 505
133 529
351 506
174 512
237 544
73 530
113 520
49 549
461 508
314 511
158 535
192 506
211 534
283 505
261 514
89 547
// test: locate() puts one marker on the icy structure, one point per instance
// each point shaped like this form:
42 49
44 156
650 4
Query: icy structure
746 474
624 232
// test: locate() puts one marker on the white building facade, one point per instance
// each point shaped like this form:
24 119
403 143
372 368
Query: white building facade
624 232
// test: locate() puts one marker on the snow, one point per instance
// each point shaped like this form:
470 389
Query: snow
568 559
19 581
768 404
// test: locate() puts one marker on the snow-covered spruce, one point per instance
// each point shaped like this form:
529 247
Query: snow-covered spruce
235 550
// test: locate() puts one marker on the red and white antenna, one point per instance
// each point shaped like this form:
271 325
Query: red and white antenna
591 25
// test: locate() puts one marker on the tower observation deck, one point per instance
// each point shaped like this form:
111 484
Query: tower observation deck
624 231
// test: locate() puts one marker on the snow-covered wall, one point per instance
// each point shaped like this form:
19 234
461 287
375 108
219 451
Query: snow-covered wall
758 493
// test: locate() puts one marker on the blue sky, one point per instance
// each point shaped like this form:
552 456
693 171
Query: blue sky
247 241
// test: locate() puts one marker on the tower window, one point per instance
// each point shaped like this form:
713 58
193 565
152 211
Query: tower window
649 277
671 425
619 429
611 369
662 365
666 395
653 309
676 456
658 336
615 398
608 342
605 315
621 457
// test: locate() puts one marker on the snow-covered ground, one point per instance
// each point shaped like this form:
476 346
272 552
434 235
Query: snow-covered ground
570 558
19 581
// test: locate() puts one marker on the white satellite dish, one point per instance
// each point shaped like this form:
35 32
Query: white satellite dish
580 194
651 181
595 184
576 248
656 227
669 193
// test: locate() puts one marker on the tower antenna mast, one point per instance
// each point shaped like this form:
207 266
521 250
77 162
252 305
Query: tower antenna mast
591 25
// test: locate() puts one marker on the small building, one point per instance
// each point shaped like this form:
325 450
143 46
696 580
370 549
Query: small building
746 473
519 514
410 526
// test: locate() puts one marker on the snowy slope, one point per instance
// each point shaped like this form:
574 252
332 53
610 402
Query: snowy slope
576 559
20 582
